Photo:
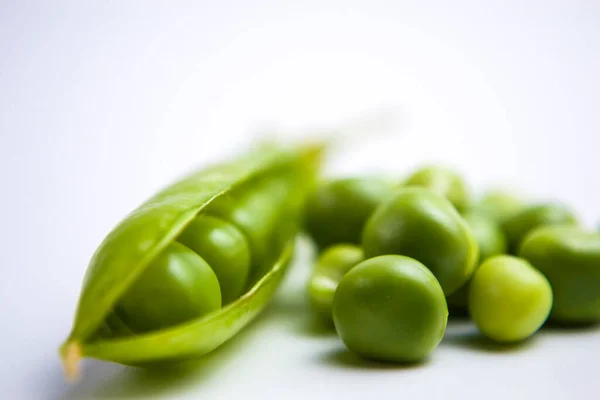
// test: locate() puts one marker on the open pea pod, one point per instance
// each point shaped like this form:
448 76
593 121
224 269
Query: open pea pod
193 265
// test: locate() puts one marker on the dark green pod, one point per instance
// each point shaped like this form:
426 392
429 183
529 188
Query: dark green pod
147 297
421 224
570 258
336 211
520 224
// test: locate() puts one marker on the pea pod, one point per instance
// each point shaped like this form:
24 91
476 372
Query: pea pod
193 265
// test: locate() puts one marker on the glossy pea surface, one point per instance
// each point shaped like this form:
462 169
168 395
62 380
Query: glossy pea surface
332 265
257 210
570 258
520 224
509 300
421 224
390 308
224 248
337 210
179 285
443 181
490 240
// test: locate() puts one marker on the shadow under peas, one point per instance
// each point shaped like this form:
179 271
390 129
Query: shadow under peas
473 340
555 327
341 357
108 380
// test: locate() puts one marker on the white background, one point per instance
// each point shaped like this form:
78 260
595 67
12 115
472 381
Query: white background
102 103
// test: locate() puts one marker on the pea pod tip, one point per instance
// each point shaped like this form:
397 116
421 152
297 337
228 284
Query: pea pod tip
71 355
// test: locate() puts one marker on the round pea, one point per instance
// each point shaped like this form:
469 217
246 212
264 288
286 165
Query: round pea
337 211
490 240
390 308
443 181
570 258
178 286
224 248
331 266
421 224
509 300
500 205
521 223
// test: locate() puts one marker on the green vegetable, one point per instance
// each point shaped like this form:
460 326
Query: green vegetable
148 297
421 224
490 240
390 308
500 205
570 258
523 222
336 211
509 300
331 266
443 181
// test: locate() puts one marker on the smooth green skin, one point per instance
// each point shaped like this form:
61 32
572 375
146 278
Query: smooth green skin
421 224
224 248
520 224
129 250
390 308
331 266
185 285
336 211
490 240
570 258
500 205
257 213
509 300
443 181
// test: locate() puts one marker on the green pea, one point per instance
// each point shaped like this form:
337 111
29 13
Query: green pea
390 308
331 266
443 181
509 300
224 248
337 210
570 258
421 224
490 240
185 284
500 205
256 209
523 222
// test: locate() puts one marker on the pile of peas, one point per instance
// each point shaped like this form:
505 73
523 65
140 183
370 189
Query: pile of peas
395 258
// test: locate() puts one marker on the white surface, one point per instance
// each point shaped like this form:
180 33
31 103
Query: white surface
102 103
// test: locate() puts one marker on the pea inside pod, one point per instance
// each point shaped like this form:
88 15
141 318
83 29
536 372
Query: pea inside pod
155 287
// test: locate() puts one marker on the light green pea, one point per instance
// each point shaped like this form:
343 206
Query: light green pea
509 300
